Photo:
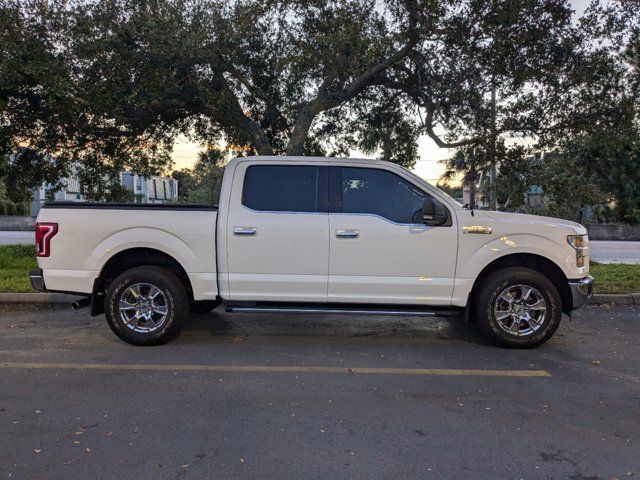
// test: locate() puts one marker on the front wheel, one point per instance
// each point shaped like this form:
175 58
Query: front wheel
146 306
518 307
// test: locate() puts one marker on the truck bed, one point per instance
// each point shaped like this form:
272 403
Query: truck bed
91 234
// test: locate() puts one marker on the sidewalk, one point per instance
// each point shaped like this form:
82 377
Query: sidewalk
613 251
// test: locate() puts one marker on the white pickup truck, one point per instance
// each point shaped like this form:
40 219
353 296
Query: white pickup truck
303 235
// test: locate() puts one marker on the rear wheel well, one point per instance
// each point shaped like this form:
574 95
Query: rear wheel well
534 262
139 257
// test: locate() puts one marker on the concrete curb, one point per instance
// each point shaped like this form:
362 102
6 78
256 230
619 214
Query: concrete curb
617 298
62 298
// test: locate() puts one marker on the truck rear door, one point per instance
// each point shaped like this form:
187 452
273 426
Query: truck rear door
278 232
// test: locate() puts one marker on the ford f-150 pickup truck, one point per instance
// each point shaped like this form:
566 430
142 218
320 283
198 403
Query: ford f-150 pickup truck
304 235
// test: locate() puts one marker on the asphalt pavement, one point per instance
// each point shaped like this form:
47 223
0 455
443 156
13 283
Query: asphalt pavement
286 396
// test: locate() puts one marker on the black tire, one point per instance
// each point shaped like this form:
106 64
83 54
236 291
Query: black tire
204 306
173 300
510 330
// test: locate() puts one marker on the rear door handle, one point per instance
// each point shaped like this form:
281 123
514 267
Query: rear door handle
349 233
247 231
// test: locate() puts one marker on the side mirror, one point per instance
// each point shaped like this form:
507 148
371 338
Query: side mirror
429 214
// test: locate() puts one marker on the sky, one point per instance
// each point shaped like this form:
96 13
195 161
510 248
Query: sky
428 166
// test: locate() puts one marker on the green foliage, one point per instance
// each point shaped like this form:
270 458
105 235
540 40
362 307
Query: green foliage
110 83
17 256
15 263
612 156
41 100
27 169
601 164
594 140
186 183
568 184
615 278
518 170
387 128
7 207
452 191
202 184
465 165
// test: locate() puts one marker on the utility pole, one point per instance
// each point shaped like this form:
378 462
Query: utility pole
493 202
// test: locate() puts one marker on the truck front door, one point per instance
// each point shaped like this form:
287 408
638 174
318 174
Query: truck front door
379 251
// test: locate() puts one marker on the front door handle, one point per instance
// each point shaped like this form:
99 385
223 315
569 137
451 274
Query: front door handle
349 233
247 231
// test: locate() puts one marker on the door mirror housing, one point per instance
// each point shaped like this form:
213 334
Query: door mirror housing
431 214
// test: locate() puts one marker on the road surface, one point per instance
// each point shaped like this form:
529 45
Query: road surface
16 237
319 397
614 251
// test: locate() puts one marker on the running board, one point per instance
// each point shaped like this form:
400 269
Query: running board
342 311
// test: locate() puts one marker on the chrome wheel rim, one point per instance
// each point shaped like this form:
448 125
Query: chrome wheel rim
143 307
520 310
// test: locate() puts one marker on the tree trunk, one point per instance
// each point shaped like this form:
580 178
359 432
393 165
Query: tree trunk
301 130
262 143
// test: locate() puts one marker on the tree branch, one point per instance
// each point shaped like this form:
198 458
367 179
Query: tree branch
256 135
327 100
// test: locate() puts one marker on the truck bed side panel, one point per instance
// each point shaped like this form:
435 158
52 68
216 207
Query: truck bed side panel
88 237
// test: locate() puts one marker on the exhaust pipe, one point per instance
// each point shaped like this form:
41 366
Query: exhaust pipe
83 302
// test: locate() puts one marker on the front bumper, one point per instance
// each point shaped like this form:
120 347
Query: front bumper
37 280
581 290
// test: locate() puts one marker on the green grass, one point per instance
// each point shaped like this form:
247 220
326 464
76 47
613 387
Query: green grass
615 278
17 260
15 263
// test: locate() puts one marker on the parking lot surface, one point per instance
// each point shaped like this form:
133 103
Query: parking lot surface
285 396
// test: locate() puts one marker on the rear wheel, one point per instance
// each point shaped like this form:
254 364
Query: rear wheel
146 306
518 307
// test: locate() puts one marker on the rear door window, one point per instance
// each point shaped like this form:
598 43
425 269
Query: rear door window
286 188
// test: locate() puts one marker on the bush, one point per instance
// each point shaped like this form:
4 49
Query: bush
7 207
23 209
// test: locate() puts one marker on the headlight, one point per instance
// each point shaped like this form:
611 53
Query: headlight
579 244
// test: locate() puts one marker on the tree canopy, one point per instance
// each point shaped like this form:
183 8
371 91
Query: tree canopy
111 83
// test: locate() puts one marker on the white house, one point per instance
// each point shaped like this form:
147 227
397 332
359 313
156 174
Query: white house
155 189
70 192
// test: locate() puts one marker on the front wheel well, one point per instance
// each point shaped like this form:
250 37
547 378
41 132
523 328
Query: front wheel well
535 262
131 258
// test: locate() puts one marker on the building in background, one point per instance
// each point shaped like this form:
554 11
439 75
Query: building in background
534 197
70 192
155 189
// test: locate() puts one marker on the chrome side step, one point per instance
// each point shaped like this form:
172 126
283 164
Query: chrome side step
342 311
